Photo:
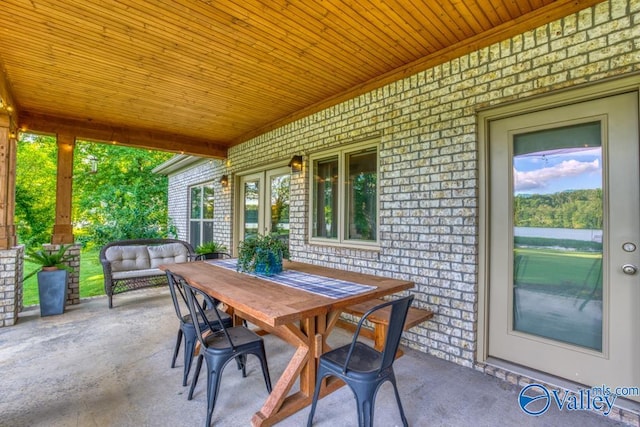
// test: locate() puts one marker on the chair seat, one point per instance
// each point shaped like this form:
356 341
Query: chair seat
364 359
211 315
364 368
240 336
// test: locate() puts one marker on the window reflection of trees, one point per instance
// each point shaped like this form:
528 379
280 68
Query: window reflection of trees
280 204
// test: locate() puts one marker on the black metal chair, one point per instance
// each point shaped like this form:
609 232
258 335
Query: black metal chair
363 368
187 330
219 347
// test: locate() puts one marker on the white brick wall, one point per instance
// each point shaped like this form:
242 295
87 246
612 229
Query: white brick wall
427 128
202 172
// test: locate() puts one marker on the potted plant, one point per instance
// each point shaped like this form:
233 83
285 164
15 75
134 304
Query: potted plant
262 254
210 250
52 274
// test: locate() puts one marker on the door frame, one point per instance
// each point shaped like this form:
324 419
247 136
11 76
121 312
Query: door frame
485 116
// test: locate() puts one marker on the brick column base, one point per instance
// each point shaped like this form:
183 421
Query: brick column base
11 268
73 284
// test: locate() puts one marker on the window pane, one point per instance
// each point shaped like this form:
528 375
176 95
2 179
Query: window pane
207 199
207 231
325 198
196 202
362 196
194 233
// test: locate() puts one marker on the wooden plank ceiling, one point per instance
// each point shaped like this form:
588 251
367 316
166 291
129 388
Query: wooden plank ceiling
201 76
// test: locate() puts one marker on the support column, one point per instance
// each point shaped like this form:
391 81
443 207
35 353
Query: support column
63 230
11 257
8 148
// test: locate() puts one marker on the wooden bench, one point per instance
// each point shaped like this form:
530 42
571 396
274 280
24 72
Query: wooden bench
380 321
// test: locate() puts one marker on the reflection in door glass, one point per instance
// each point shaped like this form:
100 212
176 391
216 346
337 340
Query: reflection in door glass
251 206
280 205
558 234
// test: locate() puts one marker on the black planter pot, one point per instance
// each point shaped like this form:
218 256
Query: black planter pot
212 255
52 289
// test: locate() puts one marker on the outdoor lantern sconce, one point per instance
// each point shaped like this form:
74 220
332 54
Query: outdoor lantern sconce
224 180
93 162
296 164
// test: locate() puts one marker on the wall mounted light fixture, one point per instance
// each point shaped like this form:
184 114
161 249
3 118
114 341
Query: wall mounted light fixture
296 163
224 180
93 163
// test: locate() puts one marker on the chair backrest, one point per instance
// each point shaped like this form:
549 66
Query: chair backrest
399 310
175 287
196 300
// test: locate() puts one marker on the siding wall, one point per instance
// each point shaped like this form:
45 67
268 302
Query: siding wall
427 128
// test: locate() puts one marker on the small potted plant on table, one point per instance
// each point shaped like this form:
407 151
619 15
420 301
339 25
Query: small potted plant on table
52 274
263 254
210 250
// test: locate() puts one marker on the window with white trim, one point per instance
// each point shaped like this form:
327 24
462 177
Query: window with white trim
201 214
344 196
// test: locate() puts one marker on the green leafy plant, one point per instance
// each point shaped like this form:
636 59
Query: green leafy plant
210 247
47 259
262 253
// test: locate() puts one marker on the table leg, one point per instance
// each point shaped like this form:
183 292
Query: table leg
279 404
309 339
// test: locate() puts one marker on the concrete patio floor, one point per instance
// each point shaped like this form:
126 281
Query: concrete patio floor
98 367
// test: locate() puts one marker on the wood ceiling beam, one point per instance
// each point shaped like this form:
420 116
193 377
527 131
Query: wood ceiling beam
556 10
138 138
8 107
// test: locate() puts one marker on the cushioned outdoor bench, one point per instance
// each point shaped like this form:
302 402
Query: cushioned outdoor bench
380 321
133 264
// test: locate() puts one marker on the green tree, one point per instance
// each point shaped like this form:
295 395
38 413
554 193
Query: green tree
578 209
122 199
36 170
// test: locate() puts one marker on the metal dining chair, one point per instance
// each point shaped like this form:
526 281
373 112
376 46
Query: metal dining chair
187 331
219 347
363 368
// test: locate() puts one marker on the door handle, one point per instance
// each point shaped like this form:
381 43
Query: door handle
629 269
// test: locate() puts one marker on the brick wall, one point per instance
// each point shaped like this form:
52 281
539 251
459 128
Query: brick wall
427 128
180 182
11 267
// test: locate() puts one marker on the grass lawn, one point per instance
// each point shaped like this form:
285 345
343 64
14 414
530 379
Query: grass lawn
91 279
560 270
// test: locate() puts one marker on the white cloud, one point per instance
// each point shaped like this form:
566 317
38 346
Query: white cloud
540 179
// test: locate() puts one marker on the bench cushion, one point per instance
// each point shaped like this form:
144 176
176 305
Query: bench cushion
132 274
126 258
170 253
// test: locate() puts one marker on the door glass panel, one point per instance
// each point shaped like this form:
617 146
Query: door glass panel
279 190
251 205
558 234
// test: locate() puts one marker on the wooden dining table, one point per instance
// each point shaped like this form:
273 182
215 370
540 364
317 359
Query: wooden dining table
303 319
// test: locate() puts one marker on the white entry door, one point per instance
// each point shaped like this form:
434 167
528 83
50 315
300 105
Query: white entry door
564 294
